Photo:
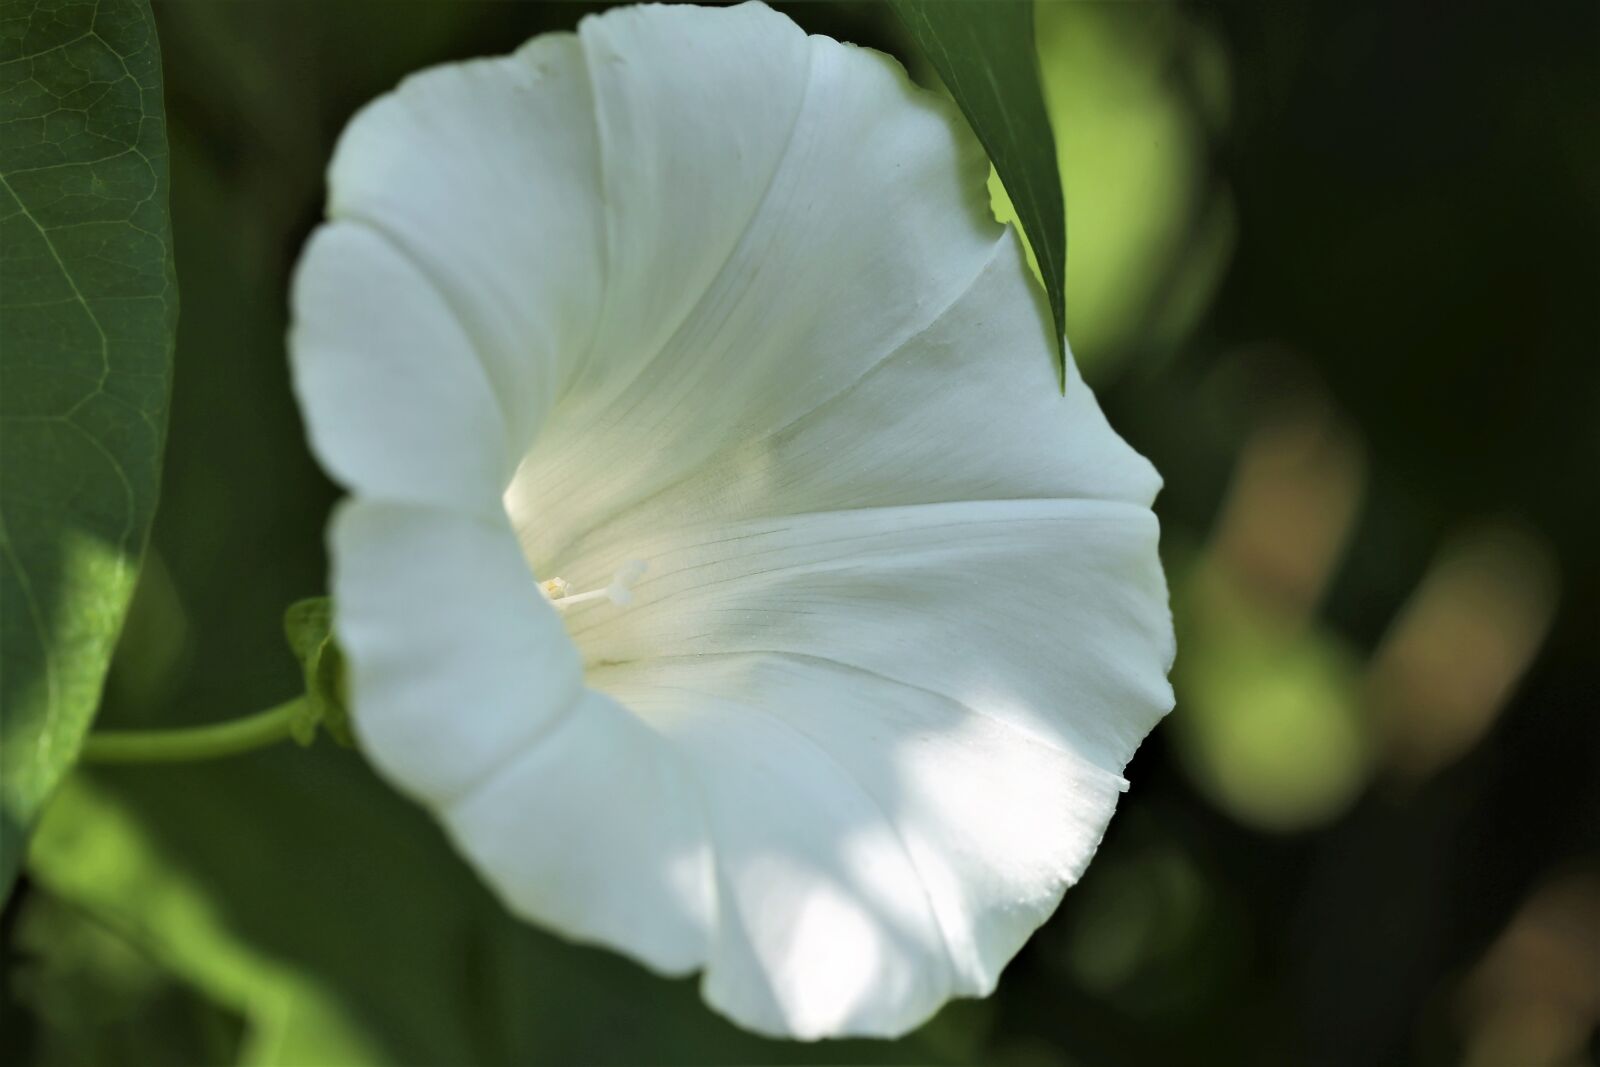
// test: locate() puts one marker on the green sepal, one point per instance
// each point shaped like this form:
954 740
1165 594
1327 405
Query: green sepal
308 627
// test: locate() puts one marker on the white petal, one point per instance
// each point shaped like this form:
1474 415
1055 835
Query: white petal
823 923
968 409
395 402
788 239
1048 614
486 174
457 662
694 107
596 829
919 844
910 724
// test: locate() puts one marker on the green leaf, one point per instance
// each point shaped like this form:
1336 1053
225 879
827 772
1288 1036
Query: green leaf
93 996
331 914
984 51
92 852
88 305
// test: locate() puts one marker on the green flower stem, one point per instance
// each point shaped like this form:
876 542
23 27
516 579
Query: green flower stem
196 742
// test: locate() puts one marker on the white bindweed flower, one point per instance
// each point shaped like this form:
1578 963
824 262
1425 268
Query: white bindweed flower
723 565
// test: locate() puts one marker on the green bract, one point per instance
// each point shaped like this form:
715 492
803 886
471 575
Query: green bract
88 305
308 625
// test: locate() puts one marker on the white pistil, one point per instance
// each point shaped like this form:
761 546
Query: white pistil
619 592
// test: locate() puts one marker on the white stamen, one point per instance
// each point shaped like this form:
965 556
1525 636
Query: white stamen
619 592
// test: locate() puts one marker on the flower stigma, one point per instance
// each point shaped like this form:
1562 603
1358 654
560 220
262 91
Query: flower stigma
620 592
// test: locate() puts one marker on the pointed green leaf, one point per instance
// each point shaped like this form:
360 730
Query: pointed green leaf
984 51
88 304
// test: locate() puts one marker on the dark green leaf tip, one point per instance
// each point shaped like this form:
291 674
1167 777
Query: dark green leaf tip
984 51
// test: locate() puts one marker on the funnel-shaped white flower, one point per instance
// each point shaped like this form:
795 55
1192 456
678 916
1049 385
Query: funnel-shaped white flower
708 318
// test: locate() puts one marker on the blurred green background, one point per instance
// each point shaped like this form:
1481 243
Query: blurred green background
1333 267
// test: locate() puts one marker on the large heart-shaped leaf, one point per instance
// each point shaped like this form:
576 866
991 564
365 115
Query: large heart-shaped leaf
88 305
984 51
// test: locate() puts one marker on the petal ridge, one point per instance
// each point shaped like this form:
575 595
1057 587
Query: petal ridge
634 873
933 913
486 632
921 768
601 183
510 757
877 362
1102 510
739 236
962 706
623 384
736 240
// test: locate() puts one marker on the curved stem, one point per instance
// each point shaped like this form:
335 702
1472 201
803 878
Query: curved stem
196 742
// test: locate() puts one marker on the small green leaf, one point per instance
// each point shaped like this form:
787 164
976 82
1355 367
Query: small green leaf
984 51
88 305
